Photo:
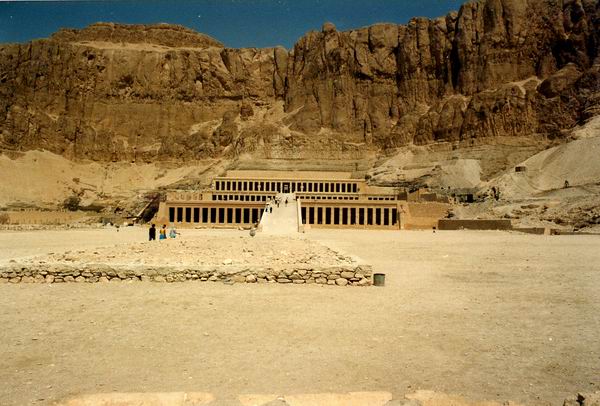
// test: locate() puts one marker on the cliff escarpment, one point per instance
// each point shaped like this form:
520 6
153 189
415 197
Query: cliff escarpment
115 92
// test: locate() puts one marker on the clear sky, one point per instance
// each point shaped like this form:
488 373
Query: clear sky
236 23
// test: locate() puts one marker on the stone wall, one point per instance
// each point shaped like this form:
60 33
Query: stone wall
423 216
359 275
474 224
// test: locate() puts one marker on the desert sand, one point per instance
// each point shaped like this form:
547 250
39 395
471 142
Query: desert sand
485 315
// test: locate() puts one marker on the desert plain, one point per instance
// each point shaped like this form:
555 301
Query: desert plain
484 315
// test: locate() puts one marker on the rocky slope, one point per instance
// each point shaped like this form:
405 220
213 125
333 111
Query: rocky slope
496 68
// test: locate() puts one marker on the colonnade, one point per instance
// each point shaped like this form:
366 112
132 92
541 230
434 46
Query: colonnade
285 186
302 196
220 214
242 197
354 216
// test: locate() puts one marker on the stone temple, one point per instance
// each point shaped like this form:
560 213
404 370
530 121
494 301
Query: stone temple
314 200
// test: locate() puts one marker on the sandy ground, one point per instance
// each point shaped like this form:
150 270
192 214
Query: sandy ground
239 252
487 315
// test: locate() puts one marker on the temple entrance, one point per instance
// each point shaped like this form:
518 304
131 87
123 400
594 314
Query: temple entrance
286 187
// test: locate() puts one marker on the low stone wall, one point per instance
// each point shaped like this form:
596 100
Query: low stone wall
474 224
535 230
359 275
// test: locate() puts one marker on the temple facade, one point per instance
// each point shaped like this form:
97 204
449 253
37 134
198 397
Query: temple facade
323 200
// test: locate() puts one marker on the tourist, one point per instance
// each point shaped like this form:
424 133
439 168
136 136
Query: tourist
286 201
173 232
163 233
152 233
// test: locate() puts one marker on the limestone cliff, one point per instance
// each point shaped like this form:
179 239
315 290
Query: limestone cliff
114 92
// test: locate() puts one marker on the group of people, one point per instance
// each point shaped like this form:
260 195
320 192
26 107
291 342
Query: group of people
162 233
276 201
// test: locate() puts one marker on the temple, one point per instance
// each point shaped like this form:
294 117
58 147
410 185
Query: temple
319 199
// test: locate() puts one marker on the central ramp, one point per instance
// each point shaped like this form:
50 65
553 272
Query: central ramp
282 220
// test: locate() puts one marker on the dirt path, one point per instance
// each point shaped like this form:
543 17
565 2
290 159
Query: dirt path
488 315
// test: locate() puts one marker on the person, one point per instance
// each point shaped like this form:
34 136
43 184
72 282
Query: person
286 201
152 233
163 233
173 233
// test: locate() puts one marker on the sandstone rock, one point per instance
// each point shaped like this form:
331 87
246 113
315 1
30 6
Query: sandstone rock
238 279
27 279
347 274
80 279
341 282
103 279
69 279
159 278
321 281
331 282
299 281
250 278
3 280
16 279
560 81
284 280
213 278
364 282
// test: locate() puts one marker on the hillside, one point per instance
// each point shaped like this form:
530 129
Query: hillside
113 92
115 113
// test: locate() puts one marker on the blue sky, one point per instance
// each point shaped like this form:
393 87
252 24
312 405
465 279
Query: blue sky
236 23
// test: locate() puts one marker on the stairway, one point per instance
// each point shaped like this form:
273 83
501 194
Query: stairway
284 219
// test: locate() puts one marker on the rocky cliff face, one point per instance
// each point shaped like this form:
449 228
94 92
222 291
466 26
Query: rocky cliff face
147 93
